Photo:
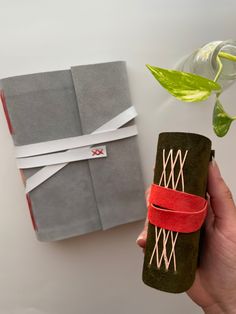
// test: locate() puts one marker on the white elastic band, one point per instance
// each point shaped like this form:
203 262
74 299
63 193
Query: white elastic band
59 158
120 120
48 171
71 155
77 141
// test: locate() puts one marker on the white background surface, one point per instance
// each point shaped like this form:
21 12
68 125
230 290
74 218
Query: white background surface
101 272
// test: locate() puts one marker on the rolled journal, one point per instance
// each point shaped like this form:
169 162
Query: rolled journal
177 210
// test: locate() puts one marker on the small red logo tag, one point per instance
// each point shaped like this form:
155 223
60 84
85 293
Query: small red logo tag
96 151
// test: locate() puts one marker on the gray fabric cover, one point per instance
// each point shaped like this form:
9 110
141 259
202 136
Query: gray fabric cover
86 195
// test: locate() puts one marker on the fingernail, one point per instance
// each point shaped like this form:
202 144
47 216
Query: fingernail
216 167
139 238
213 162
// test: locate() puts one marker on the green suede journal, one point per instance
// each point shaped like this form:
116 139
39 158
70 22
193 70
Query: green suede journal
170 260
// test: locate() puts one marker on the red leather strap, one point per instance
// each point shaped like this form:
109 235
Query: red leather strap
175 210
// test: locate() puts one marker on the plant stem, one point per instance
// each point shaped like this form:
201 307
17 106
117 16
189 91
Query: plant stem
227 56
224 55
220 66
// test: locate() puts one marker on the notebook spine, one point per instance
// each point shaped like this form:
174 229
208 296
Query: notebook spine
4 104
31 211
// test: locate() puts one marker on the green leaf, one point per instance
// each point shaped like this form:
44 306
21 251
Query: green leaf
184 86
221 120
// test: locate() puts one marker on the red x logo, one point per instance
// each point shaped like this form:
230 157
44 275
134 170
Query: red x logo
97 152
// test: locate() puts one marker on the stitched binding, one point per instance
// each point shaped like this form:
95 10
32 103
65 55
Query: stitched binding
172 181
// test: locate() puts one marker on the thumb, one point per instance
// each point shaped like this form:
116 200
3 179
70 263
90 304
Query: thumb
141 240
221 198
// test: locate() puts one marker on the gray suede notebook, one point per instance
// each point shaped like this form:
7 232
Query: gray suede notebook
85 195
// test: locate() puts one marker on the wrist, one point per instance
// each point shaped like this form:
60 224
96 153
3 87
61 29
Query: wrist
221 308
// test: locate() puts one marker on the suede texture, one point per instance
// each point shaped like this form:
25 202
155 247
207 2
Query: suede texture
102 93
84 196
187 245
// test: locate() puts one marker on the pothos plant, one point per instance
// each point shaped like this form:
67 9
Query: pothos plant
189 87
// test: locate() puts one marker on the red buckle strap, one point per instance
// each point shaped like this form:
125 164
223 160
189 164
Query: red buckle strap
175 210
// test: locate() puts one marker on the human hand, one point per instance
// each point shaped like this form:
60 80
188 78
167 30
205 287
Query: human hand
214 288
